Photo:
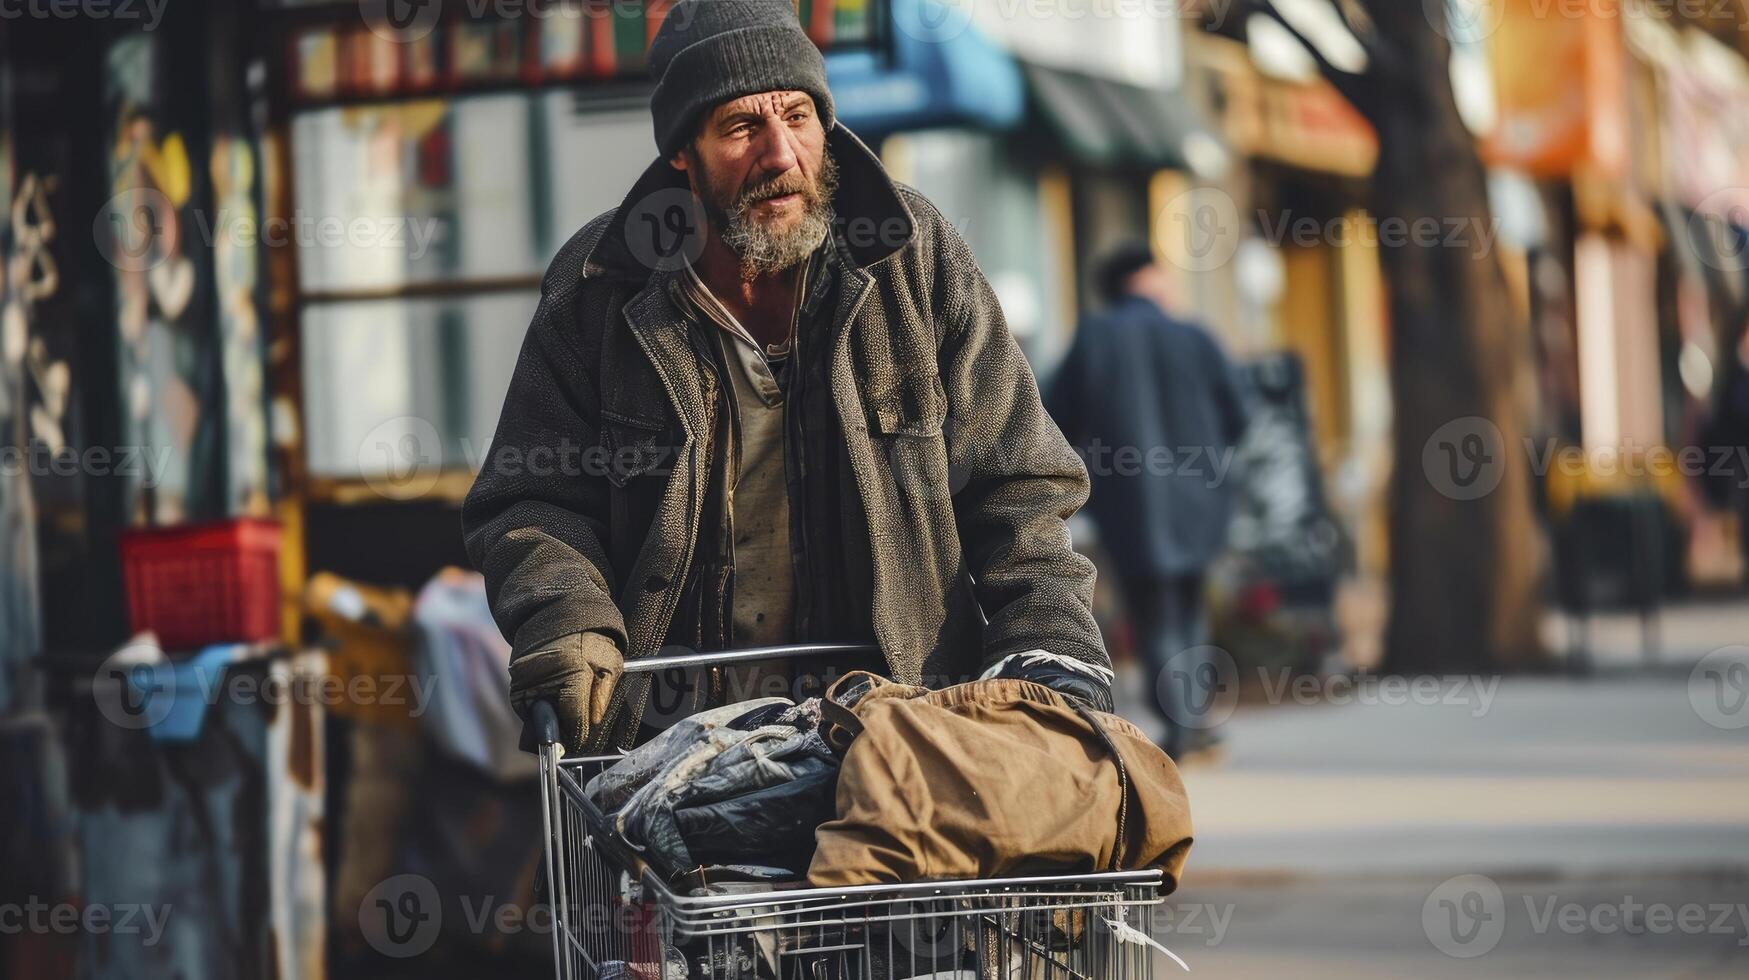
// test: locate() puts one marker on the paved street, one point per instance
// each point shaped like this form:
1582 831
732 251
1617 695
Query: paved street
1606 774
1359 929
1330 835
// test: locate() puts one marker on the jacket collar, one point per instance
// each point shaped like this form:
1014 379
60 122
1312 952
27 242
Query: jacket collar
866 197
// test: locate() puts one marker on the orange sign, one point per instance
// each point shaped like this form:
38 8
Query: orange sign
1560 77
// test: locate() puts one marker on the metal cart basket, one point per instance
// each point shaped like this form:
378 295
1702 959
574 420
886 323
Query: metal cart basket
614 917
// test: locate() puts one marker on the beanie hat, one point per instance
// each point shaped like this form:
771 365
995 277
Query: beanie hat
708 52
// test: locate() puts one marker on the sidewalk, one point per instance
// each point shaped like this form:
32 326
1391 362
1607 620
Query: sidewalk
1685 632
1525 834
1557 776
1607 773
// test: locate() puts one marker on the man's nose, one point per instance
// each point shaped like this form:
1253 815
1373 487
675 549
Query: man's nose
777 152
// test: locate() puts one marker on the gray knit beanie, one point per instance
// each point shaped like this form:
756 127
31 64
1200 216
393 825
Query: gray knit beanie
708 52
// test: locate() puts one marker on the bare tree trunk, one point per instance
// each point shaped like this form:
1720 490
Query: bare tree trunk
1466 550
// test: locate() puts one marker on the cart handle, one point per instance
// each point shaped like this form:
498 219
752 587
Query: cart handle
546 723
546 720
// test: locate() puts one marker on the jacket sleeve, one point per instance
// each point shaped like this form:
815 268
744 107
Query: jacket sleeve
535 518
1019 482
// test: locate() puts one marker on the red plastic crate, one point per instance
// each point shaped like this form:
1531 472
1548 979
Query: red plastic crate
198 584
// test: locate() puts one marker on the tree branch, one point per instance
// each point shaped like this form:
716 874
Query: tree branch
1355 88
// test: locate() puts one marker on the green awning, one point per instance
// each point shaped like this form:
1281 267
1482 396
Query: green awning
1107 122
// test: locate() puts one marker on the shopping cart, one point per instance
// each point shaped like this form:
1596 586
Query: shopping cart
614 917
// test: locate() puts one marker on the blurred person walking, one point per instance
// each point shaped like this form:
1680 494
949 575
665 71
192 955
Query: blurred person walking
1155 408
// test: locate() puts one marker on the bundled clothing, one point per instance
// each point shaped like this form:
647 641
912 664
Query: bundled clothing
742 785
887 783
462 660
947 785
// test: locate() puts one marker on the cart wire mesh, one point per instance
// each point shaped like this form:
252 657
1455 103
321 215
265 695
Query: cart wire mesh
615 918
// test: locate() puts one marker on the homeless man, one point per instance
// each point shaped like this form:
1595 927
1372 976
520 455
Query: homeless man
807 418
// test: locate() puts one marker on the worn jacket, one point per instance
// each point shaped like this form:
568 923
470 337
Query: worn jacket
958 483
1156 410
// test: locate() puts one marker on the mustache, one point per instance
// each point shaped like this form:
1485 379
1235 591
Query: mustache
788 183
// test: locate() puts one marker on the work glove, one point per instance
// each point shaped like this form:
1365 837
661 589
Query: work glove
576 674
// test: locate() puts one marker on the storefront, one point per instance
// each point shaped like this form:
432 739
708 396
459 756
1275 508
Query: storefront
1281 255
1696 86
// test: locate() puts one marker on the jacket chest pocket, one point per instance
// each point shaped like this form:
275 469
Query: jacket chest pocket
915 406
634 446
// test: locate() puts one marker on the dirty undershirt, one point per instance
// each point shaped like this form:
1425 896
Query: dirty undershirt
763 604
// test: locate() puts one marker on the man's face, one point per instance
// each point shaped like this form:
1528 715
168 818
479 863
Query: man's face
760 165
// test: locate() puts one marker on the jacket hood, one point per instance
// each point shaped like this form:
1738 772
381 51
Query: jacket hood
867 199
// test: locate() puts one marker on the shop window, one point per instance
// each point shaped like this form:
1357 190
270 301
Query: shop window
1001 209
416 192
416 305
401 390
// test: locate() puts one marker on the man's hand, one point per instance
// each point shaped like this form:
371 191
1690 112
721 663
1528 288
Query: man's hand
576 674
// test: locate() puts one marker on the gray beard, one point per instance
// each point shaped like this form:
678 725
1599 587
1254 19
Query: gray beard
764 251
